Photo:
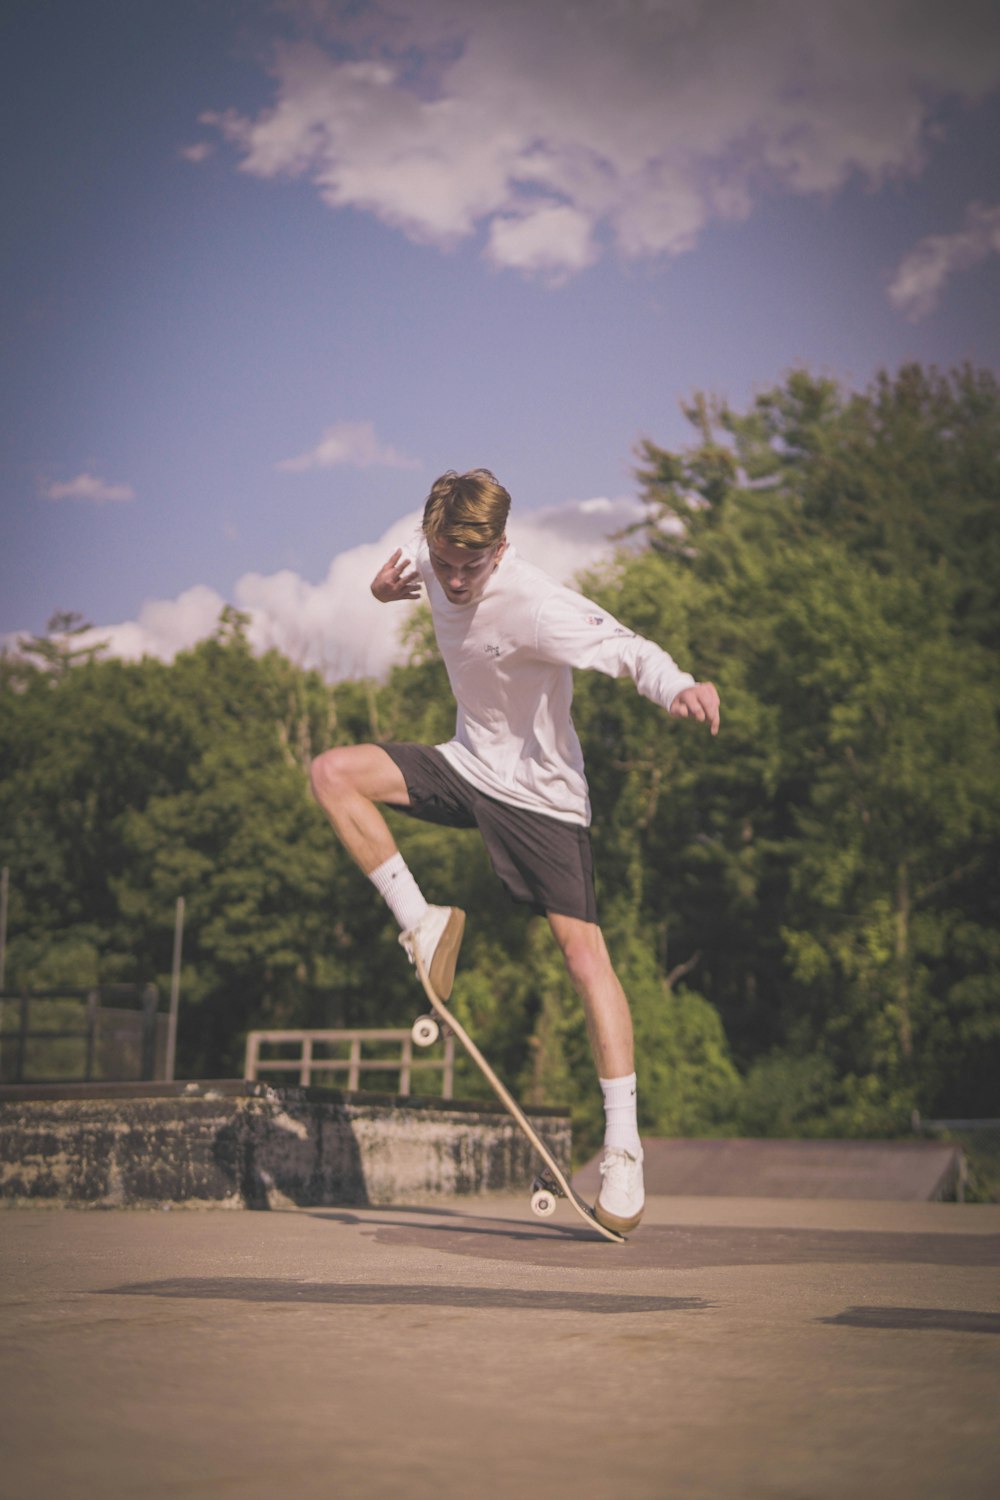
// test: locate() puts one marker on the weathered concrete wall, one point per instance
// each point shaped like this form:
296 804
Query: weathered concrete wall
246 1145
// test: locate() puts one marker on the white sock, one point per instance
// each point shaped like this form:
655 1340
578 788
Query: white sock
400 891
621 1126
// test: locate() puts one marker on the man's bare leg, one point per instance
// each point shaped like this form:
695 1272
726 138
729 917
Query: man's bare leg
347 783
609 1020
609 1025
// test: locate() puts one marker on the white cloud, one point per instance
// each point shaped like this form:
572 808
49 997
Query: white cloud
88 487
552 238
577 535
351 443
199 152
336 625
923 274
164 627
556 127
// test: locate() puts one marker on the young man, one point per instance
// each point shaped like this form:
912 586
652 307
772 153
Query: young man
510 637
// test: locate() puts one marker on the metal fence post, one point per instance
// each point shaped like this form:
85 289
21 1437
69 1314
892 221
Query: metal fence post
91 1040
150 1006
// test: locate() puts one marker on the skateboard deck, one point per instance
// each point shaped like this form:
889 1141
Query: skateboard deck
551 1182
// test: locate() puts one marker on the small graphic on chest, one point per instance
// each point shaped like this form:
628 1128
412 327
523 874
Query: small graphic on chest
491 650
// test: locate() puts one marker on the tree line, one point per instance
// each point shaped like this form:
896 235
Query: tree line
804 911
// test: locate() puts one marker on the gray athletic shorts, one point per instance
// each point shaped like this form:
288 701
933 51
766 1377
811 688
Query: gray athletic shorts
540 860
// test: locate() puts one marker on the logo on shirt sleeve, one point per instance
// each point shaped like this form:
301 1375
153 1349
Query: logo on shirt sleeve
597 620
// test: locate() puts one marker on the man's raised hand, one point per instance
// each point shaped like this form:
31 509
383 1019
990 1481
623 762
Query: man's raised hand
394 580
699 702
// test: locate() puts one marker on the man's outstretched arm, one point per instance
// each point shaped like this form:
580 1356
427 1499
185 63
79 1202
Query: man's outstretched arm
396 579
699 702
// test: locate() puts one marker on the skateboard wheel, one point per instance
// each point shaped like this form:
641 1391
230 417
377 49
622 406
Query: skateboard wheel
543 1203
425 1031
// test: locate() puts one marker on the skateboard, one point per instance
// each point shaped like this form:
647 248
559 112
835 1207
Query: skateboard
550 1184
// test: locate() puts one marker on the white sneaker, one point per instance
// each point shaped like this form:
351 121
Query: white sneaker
437 937
622 1197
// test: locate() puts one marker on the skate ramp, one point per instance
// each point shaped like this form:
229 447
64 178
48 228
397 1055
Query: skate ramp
891 1171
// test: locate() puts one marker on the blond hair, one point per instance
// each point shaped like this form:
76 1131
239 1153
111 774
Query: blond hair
466 510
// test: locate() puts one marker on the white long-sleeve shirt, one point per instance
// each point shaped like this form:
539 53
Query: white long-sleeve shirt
510 657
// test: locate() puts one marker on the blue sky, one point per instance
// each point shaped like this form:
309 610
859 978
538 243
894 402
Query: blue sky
270 268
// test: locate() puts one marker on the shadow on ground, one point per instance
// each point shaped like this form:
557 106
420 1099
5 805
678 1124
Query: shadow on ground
366 1294
918 1319
667 1247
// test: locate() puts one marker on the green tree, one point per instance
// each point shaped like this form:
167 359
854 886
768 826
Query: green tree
62 646
856 817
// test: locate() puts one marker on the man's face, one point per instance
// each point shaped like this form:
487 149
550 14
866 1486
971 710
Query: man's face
462 572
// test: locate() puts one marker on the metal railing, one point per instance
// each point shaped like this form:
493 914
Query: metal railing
65 1034
307 1062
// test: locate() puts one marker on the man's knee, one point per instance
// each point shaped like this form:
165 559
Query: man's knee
357 770
585 954
330 775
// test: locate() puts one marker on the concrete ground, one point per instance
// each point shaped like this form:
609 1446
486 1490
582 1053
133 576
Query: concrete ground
735 1349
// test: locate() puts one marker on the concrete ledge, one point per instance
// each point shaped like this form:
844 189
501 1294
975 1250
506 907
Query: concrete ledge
247 1145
